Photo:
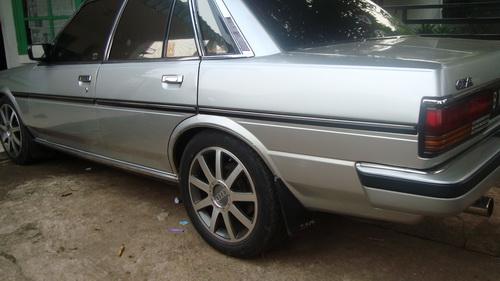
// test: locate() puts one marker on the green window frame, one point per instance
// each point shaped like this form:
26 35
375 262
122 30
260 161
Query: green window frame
21 21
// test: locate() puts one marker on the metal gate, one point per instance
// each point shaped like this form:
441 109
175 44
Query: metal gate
473 19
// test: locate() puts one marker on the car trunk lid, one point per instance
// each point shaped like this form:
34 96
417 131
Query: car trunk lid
470 63
468 75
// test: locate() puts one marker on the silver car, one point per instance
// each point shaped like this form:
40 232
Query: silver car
262 109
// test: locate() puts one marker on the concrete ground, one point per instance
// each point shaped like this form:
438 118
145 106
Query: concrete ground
69 219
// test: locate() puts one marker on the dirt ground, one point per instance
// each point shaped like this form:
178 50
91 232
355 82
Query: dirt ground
69 219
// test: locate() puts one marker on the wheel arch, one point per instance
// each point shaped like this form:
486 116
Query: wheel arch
294 213
191 126
5 92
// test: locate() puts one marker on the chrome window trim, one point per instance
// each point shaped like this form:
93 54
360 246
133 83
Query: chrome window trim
194 58
106 51
49 64
219 57
111 36
164 58
167 30
196 31
223 12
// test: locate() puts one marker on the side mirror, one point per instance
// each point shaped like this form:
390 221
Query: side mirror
39 52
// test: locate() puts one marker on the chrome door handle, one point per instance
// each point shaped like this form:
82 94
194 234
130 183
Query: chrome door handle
85 78
172 79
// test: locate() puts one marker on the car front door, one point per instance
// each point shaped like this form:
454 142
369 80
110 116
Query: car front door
148 84
62 94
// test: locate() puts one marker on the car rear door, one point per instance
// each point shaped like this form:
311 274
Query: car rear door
148 84
62 90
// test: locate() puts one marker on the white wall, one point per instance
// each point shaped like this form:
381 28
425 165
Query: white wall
9 35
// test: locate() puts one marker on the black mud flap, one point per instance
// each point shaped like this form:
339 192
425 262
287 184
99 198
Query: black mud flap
297 217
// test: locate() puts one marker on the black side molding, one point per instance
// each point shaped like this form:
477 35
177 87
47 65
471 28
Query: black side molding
365 125
109 102
445 191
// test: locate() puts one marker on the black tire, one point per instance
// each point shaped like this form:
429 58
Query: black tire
26 152
268 223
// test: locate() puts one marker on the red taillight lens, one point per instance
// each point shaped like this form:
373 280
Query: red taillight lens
448 125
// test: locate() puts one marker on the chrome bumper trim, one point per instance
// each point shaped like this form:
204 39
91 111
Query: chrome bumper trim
453 180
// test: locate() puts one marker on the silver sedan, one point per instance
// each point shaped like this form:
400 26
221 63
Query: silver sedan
263 110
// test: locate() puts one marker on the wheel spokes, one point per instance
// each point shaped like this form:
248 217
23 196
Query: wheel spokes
243 197
10 130
202 204
218 164
229 227
205 169
199 184
2 115
240 216
16 140
222 194
14 147
234 175
12 116
213 220
6 143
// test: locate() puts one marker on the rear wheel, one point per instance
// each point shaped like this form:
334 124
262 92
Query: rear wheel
229 195
15 138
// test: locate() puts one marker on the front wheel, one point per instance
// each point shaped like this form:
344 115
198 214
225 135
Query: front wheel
14 136
229 195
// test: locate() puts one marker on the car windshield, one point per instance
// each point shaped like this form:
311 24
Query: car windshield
296 24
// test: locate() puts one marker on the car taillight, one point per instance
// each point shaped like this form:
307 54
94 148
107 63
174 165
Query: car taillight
447 124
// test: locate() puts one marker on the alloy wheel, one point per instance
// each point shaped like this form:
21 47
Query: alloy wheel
10 130
222 194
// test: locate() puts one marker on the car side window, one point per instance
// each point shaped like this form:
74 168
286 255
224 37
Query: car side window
141 31
216 39
181 42
84 38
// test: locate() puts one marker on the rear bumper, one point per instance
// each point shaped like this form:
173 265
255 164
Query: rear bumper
448 190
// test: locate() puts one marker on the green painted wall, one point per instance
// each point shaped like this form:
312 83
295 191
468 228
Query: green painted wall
20 20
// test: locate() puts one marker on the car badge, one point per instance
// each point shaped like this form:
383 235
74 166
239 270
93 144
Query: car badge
464 83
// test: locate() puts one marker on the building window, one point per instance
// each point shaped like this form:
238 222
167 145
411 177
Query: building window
39 21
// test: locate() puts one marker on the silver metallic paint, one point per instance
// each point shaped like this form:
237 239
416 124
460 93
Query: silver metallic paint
330 180
20 104
315 85
317 163
219 123
428 206
70 123
463 167
140 136
109 161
